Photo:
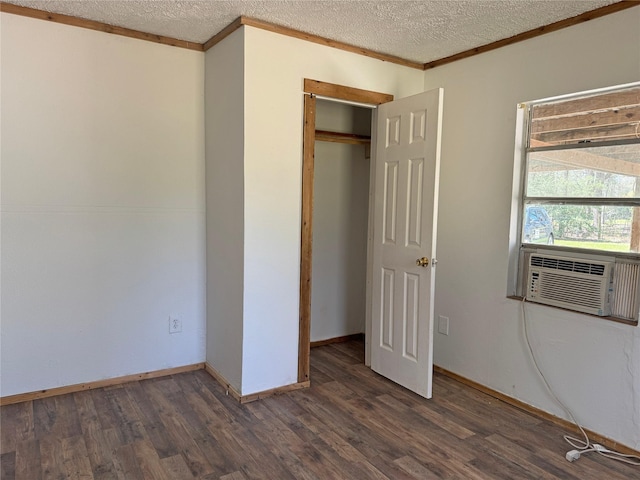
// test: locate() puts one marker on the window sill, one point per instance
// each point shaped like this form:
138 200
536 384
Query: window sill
612 319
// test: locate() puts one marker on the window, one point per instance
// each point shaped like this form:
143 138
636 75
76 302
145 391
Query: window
578 163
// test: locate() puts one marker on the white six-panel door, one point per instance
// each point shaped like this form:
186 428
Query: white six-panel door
405 217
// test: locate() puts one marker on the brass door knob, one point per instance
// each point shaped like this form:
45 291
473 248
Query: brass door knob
422 262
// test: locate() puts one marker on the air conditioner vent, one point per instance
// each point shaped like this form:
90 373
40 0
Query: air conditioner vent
585 291
577 284
567 265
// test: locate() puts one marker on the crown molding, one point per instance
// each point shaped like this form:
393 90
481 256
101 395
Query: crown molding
98 26
536 32
290 32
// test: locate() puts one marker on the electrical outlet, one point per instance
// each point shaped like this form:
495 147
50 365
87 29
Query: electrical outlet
175 325
443 325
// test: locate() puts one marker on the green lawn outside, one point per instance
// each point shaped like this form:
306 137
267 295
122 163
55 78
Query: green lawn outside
607 246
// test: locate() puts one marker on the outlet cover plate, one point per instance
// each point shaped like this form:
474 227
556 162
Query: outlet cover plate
443 325
175 325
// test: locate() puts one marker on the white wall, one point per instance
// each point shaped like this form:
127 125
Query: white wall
102 210
340 221
593 364
102 205
224 92
275 67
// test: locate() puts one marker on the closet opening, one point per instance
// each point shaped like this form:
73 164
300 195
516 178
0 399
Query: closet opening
335 215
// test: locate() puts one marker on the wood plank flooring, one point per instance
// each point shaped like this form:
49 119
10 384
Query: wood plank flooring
351 424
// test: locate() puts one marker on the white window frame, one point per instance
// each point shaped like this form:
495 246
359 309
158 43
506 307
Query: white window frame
518 268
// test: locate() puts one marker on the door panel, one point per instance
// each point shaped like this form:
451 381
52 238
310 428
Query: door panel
405 214
414 212
390 201
411 316
387 310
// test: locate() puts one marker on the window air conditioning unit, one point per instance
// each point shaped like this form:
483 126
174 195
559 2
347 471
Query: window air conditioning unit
573 283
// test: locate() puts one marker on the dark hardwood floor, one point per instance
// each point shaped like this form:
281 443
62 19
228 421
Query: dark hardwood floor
350 424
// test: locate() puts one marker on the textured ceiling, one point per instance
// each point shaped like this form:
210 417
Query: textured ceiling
414 30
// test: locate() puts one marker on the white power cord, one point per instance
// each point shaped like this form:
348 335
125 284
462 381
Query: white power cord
581 446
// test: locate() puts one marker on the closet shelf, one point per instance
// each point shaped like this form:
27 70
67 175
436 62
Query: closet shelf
338 137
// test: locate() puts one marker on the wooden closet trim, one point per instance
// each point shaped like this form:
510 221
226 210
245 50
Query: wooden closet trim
339 92
306 238
342 92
